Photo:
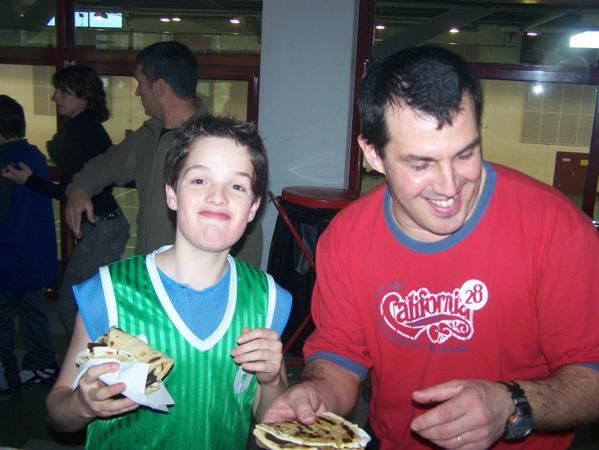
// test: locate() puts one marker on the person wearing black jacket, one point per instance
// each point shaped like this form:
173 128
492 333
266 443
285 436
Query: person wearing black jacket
79 95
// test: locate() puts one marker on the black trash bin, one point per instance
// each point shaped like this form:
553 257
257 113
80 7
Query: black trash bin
310 209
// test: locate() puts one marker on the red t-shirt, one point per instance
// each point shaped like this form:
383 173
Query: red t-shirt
511 295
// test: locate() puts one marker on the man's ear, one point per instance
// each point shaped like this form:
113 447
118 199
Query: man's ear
254 209
371 155
159 87
171 197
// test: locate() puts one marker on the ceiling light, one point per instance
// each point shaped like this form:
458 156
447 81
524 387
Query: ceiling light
454 30
235 20
165 19
532 33
538 88
176 19
380 26
586 39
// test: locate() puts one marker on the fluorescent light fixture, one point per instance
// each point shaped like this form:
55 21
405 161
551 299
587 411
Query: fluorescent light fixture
235 20
538 88
532 33
165 19
586 39
176 19
454 30
380 26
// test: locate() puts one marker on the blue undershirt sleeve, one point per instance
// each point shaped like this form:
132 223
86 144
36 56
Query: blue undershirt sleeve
282 310
92 306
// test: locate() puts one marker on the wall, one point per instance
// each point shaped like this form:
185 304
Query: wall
501 124
306 89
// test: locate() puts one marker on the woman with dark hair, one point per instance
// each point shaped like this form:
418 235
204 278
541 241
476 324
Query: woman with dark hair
79 96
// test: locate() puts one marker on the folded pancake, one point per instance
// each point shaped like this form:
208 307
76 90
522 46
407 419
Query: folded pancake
328 432
119 345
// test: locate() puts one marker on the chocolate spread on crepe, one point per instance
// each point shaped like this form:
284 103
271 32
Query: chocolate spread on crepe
117 344
328 432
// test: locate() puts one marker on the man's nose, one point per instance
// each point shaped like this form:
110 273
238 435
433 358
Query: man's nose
446 183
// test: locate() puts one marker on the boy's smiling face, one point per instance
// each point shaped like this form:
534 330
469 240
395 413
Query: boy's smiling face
214 199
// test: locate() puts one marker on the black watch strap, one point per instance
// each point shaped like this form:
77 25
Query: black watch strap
520 422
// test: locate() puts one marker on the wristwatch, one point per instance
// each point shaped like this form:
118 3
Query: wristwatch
520 423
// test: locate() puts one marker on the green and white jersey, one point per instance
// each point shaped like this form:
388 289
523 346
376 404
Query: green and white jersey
213 396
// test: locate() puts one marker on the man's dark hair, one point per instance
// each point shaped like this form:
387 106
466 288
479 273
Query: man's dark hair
244 134
174 63
430 80
12 118
85 83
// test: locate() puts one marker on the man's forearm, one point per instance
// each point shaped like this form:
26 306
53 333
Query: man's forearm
570 397
337 386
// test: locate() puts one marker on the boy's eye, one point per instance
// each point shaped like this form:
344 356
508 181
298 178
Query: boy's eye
239 187
197 181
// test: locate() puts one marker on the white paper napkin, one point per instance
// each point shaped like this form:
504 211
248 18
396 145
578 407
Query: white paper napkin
134 375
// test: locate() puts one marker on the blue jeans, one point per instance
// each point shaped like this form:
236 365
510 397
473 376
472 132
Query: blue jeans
101 244
32 309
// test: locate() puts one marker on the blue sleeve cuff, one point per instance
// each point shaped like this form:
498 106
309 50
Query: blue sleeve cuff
342 361
592 365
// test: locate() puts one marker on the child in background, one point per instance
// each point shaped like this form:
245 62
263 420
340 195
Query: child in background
27 257
218 318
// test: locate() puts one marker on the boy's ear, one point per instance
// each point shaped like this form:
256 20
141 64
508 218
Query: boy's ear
254 209
371 155
171 197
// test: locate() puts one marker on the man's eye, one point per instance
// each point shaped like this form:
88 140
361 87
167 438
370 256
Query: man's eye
466 155
419 167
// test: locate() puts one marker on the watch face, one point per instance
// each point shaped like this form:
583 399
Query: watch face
519 426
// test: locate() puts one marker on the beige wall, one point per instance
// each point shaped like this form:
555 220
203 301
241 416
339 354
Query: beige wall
502 117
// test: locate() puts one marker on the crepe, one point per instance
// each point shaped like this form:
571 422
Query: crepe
119 345
328 432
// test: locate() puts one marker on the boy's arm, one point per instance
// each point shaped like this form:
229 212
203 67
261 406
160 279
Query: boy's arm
266 393
260 351
70 410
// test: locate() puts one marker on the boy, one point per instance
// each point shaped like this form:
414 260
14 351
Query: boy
27 258
192 300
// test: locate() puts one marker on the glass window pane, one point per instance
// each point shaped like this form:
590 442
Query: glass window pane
550 141
222 96
25 23
216 26
498 32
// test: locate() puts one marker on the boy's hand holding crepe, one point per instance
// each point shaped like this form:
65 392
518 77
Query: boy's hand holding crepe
140 367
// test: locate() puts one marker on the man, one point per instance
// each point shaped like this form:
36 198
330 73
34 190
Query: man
455 277
27 258
167 74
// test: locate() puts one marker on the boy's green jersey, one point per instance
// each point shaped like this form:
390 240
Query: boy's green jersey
213 396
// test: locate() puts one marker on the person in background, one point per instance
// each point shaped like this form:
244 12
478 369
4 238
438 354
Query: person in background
217 317
79 96
27 258
467 290
167 74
